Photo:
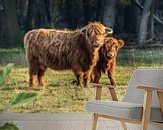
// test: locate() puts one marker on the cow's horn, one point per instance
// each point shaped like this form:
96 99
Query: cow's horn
83 29
109 30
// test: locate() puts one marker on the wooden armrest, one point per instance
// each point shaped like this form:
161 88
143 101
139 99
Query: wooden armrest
148 88
102 85
99 89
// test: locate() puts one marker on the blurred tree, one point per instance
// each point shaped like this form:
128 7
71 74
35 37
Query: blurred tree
58 13
132 18
90 8
37 14
2 23
106 12
143 28
154 24
42 16
22 12
75 13
109 13
12 31
120 19
100 10
31 14
151 30
127 17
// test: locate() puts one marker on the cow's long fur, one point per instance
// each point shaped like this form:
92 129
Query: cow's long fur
59 50
107 61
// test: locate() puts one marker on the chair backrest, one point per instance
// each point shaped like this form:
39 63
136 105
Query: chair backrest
140 77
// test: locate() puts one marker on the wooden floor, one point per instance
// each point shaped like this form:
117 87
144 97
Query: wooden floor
51 121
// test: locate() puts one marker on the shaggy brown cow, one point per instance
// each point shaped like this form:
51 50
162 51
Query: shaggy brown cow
107 60
59 50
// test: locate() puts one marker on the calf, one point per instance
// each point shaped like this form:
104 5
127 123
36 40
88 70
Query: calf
107 60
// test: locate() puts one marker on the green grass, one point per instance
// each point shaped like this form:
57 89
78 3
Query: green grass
61 95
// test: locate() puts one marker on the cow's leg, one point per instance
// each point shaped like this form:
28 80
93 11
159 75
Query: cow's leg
87 78
33 71
111 77
79 78
40 76
32 75
79 75
92 78
97 76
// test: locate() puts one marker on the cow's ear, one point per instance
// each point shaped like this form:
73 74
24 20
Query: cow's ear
120 43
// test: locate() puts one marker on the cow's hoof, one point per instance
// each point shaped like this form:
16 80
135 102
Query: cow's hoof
74 82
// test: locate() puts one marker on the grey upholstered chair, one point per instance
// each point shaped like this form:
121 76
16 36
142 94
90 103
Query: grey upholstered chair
138 106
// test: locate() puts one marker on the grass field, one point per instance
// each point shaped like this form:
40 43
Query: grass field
61 95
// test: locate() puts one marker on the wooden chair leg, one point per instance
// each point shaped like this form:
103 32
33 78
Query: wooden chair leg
114 98
124 125
146 109
94 123
98 91
160 98
113 94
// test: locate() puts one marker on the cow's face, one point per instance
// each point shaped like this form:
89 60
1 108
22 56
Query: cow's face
111 47
95 34
96 40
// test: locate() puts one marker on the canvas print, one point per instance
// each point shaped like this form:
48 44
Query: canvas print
81 64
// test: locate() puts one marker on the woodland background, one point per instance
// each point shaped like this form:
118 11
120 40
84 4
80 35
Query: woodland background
138 22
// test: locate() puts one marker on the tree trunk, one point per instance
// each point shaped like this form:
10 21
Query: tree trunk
90 7
106 12
120 19
75 13
58 13
144 23
109 13
42 16
31 14
100 10
132 18
22 13
2 24
47 8
151 33
12 28
37 15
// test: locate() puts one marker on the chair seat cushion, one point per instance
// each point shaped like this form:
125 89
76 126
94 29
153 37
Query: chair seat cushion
125 110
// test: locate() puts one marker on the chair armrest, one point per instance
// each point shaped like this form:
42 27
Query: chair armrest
150 88
98 90
102 85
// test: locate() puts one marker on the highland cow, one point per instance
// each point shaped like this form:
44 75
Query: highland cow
61 49
107 61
